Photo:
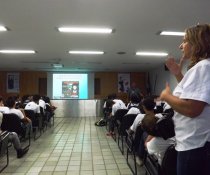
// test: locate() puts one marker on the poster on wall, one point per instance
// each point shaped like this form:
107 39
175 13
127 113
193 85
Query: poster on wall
12 82
123 82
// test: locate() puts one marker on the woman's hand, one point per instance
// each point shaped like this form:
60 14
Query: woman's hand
175 68
165 92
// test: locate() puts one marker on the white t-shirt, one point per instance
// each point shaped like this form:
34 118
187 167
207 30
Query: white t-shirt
138 120
42 104
4 109
17 112
157 146
33 106
133 110
193 133
119 104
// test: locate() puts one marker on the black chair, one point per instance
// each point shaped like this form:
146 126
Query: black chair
168 166
4 140
50 115
118 117
127 121
12 123
36 122
132 143
44 117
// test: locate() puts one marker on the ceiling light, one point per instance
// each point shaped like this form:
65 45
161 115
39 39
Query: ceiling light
171 33
2 28
18 51
86 52
84 30
152 53
57 65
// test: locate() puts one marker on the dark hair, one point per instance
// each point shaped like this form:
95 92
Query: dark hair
109 103
36 98
148 103
10 102
199 38
148 124
135 98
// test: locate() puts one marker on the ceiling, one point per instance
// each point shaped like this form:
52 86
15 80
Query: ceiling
33 25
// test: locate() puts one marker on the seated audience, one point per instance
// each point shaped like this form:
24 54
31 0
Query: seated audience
20 113
148 105
133 106
154 143
115 105
33 105
14 139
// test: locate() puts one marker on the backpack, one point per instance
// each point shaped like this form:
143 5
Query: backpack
101 122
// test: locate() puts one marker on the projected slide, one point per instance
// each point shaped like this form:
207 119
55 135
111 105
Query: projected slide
70 89
70 86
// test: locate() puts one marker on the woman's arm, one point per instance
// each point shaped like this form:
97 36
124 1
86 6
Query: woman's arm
187 107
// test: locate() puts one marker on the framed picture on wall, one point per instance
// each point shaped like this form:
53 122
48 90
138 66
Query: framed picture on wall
12 82
123 82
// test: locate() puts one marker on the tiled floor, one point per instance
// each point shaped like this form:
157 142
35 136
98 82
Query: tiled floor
74 146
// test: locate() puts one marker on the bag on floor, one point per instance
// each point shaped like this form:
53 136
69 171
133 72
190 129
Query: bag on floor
101 122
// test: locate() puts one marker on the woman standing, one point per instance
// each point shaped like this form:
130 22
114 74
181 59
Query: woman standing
191 102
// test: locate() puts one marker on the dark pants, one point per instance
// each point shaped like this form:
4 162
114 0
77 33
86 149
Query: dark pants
111 120
194 162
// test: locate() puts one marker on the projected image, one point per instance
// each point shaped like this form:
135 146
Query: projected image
70 86
70 89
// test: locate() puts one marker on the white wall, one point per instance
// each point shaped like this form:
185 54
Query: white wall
161 76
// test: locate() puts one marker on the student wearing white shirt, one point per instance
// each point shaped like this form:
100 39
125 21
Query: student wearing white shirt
115 105
191 102
133 106
154 143
14 139
11 105
33 105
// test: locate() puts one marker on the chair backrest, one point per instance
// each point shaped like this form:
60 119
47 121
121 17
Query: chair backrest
169 161
127 121
151 165
32 115
120 113
137 137
12 123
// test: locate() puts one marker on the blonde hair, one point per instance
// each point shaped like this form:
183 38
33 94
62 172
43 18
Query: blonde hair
199 38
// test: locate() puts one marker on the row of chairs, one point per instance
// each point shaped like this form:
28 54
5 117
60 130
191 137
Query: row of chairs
123 121
12 123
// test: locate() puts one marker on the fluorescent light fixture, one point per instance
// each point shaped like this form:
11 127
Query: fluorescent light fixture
84 30
171 33
57 65
152 53
18 51
2 28
86 52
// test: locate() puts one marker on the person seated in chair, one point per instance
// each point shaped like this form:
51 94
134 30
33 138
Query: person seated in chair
34 104
20 113
115 105
133 106
148 105
154 143
14 139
